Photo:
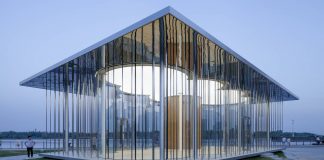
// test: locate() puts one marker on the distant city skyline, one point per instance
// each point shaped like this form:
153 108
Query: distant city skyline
283 39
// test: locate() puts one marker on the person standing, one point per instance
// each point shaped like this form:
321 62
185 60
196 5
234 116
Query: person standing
284 141
30 145
318 140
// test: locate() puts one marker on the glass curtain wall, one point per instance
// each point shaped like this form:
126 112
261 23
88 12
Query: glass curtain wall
161 91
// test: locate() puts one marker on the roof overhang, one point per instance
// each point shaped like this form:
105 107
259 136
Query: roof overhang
159 14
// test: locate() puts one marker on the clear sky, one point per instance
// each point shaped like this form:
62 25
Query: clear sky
285 39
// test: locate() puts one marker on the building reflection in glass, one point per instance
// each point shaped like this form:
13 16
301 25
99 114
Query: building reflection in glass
162 90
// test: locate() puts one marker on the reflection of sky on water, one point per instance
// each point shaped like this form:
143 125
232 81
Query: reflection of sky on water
305 153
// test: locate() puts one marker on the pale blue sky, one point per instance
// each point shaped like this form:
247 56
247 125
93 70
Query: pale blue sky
285 39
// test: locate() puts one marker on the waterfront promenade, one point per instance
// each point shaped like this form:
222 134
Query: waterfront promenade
306 152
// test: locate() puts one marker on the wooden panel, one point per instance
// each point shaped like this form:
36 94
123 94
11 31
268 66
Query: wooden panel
180 122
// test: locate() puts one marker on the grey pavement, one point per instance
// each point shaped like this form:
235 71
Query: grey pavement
21 157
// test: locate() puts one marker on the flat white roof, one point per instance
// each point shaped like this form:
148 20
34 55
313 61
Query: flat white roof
161 13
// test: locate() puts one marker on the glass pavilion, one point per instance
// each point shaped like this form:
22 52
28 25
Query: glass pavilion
162 88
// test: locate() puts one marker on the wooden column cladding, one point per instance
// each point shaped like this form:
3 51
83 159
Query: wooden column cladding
180 122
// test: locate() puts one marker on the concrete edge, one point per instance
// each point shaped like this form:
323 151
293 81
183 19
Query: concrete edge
50 155
249 155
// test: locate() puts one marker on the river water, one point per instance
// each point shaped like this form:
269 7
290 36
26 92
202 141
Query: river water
310 152
20 143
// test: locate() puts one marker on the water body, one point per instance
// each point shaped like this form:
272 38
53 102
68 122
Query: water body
307 152
20 143
311 152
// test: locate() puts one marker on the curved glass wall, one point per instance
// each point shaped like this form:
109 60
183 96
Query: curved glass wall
161 91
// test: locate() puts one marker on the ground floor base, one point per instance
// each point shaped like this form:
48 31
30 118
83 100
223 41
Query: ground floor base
142 155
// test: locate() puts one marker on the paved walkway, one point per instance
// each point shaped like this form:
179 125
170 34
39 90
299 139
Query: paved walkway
21 157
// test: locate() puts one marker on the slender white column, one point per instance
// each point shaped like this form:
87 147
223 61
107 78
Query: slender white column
268 123
102 102
66 112
195 105
162 61
239 122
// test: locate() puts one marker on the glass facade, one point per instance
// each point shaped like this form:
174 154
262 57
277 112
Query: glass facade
161 91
